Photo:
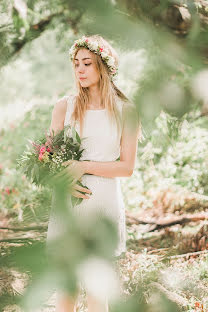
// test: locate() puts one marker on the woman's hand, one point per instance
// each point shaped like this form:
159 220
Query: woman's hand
77 189
76 170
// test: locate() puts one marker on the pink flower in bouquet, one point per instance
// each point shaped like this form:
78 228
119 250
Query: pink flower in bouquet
7 190
42 149
48 149
40 157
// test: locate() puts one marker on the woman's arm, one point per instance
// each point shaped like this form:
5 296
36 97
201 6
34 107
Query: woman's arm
58 115
125 166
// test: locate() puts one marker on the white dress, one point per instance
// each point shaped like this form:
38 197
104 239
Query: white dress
101 143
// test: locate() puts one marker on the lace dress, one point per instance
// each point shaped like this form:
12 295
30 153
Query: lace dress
101 143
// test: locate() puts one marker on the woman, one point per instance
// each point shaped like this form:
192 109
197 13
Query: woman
102 114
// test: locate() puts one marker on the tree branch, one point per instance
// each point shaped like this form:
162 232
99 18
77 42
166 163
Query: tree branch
164 223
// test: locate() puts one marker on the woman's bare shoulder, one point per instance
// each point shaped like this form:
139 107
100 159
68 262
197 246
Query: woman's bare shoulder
61 103
59 113
59 110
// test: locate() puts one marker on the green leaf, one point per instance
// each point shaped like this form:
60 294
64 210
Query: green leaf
36 170
32 173
78 137
73 133
65 135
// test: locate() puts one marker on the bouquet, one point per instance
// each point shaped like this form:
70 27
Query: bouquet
43 159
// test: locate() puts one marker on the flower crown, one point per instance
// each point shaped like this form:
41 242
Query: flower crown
96 48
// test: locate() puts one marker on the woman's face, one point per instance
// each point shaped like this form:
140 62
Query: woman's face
85 69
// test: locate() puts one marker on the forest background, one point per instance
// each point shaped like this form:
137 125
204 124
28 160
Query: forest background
163 50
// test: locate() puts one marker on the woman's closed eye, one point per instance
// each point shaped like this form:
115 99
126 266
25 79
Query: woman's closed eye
84 64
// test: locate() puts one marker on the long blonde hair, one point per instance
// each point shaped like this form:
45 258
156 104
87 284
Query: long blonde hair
109 91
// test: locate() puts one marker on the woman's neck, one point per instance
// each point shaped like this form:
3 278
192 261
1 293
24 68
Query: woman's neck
94 98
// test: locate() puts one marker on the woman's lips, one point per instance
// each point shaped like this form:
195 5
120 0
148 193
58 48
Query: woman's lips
82 78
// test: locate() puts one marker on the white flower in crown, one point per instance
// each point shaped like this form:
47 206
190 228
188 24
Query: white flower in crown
111 61
104 55
94 47
71 51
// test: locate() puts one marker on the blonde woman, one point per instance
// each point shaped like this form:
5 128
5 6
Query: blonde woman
102 114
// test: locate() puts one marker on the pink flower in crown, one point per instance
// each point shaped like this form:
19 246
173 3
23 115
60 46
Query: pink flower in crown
86 40
101 49
42 149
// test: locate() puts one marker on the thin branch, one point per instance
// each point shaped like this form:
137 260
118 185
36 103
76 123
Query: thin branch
34 32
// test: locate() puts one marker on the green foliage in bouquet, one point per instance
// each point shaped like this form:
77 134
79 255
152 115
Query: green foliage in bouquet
42 161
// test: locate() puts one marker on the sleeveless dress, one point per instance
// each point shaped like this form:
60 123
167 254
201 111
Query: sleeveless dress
101 143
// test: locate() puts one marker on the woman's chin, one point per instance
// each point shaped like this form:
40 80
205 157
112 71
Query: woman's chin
84 83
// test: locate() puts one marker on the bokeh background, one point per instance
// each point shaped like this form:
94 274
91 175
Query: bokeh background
163 53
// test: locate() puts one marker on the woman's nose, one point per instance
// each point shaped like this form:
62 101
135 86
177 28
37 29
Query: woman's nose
81 69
